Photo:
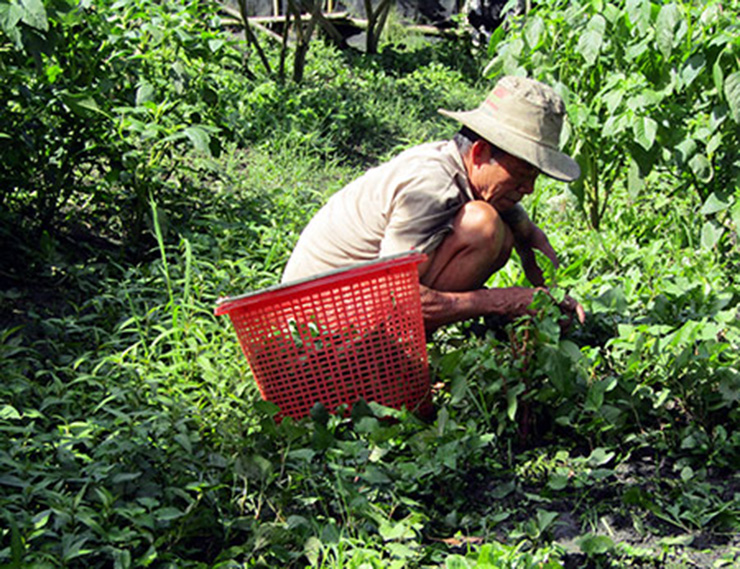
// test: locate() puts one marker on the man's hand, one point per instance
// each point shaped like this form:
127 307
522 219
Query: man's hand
570 307
440 307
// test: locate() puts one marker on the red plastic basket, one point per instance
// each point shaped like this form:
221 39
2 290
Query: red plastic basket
341 336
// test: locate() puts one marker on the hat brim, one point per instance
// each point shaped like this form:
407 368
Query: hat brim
548 160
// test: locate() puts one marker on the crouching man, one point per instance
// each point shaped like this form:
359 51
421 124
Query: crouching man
457 201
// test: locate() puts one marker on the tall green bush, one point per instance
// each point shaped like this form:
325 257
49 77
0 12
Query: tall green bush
651 87
100 101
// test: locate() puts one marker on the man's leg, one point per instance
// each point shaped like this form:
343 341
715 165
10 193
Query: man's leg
480 244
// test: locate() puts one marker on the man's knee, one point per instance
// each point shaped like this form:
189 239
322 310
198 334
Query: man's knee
480 243
480 226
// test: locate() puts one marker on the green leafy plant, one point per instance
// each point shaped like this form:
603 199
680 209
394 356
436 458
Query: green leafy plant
649 86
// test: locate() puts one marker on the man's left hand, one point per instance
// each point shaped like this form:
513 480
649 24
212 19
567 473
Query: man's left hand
570 308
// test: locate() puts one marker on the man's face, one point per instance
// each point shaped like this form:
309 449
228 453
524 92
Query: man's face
502 182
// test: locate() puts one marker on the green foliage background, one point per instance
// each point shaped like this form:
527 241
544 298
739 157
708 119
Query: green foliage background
150 165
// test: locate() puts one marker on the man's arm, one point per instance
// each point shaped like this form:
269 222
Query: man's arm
440 307
527 238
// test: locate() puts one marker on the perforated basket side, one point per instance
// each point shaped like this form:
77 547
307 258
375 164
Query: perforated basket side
362 336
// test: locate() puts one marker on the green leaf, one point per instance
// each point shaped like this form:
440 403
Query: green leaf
639 14
590 42
713 204
684 151
594 398
691 70
199 138
184 441
125 477
612 99
718 75
589 45
8 412
665 32
599 457
456 562
645 129
168 514
545 519
144 94
312 550
714 144
10 15
512 401
557 481
701 167
72 547
533 32
390 531
673 541
635 179
83 105
735 213
215 44
34 14
711 232
612 13
511 407
503 490
496 38
732 93
592 544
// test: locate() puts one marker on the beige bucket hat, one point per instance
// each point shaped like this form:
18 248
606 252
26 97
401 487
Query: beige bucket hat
524 118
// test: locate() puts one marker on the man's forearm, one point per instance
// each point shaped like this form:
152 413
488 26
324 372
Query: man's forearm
440 308
518 221
529 264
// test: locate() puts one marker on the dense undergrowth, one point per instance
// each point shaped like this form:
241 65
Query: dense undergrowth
149 174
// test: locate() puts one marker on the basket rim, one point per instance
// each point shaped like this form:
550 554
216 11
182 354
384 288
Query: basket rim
227 304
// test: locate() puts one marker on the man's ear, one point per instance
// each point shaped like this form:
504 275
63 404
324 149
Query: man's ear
480 152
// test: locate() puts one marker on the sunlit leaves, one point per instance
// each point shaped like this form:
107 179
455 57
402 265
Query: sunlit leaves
647 77
591 40
635 180
144 93
645 129
10 16
701 167
711 232
533 30
732 93
639 14
8 412
693 67
714 203
668 24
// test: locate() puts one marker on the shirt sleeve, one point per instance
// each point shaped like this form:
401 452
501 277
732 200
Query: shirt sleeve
421 216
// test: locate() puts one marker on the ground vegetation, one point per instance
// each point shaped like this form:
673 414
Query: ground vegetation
150 164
